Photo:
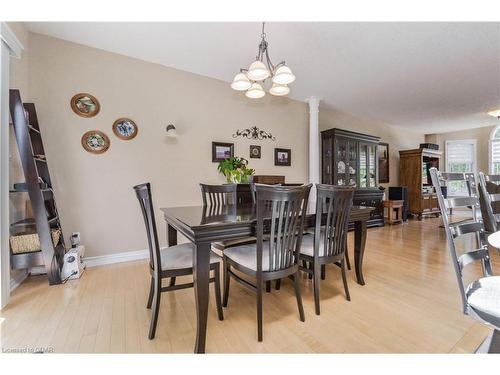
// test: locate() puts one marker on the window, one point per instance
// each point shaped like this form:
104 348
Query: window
461 157
495 151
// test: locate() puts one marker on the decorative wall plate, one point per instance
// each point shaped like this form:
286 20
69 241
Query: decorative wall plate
85 105
125 128
95 142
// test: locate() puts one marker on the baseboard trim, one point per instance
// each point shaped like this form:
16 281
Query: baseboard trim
18 279
127 256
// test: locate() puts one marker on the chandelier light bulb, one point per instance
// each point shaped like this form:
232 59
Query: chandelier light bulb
241 82
283 75
279 90
255 91
258 71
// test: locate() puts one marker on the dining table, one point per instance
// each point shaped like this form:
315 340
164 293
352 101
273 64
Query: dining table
203 225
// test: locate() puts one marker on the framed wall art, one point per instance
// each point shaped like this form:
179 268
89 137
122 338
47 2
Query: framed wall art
383 163
85 105
125 128
255 152
283 157
222 151
95 142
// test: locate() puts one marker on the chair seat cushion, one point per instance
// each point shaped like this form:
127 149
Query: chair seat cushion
246 255
181 256
307 247
483 296
221 245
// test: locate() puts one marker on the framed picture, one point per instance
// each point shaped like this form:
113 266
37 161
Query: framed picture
255 152
383 162
85 105
283 157
95 142
222 151
125 128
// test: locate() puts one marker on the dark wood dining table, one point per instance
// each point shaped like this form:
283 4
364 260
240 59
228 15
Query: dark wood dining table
203 225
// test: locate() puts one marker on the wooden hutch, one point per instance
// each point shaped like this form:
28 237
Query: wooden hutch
414 167
351 159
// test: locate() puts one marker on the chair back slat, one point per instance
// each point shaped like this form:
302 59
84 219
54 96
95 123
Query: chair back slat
471 257
143 192
493 178
466 228
286 207
458 202
218 195
336 201
473 226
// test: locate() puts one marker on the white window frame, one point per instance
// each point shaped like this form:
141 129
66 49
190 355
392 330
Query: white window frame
490 148
473 142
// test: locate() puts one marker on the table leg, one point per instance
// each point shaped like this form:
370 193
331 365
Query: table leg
171 235
201 275
359 249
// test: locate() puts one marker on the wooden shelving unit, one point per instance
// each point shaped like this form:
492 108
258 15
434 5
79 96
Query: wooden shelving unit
39 188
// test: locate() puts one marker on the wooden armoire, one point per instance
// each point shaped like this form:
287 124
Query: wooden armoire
414 166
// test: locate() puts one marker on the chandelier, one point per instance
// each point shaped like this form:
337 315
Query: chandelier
252 79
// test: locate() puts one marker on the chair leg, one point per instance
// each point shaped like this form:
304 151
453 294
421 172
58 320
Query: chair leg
218 299
323 271
259 311
156 308
344 279
311 267
296 284
268 286
316 283
348 263
151 292
226 282
278 284
172 281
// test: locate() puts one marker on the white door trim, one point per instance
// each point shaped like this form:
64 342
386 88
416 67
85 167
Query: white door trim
9 47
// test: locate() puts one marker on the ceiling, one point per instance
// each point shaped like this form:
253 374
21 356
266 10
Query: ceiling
430 77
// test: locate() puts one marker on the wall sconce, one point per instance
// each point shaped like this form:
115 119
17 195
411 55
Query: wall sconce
171 131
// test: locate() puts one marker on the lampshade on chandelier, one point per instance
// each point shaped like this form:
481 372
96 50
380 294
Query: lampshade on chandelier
254 78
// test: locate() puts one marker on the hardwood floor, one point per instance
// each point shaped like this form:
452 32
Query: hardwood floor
410 304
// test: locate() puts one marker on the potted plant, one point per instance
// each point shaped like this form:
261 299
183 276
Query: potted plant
235 170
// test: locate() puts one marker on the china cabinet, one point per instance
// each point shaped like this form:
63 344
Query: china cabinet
350 159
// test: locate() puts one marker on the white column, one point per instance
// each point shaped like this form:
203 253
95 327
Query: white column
313 144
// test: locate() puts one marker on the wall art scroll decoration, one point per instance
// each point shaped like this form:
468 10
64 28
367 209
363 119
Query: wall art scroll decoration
254 133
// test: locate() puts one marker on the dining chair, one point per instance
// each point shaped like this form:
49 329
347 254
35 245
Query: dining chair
282 212
218 197
218 194
481 297
169 262
490 201
328 244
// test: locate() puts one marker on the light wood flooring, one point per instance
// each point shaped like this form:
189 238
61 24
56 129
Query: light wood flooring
410 304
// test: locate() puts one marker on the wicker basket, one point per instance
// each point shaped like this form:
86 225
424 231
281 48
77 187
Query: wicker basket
30 242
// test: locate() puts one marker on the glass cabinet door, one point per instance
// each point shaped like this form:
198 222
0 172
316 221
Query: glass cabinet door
363 170
341 161
327 161
372 168
352 163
